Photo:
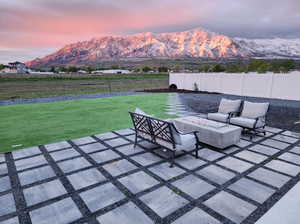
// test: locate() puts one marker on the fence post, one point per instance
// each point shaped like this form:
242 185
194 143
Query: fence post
109 86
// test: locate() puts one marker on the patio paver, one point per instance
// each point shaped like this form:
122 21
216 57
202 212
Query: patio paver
64 211
264 149
163 201
269 177
43 192
117 142
296 150
92 147
190 162
30 162
73 164
128 213
209 154
275 143
290 158
4 184
196 216
83 141
37 174
105 136
216 174
3 169
146 159
104 156
252 190
7 204
251 156
165 172
57 146
235 164
101 196
193 186
285 138
119 167
139 181
26 152
85 178
284 167
64 154
14 220
130 149
230 206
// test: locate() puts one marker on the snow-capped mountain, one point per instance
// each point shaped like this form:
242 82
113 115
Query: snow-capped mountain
271 48
197 43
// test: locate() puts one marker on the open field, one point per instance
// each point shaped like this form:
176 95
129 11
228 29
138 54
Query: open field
35 124
33 86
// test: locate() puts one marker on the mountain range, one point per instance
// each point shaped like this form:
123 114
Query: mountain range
196 43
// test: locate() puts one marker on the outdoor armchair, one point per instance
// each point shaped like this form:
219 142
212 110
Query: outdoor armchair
227 109
253 118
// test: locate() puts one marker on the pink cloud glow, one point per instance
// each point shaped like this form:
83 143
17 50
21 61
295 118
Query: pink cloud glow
27 28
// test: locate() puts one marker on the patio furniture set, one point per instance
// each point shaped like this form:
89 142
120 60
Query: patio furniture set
219 130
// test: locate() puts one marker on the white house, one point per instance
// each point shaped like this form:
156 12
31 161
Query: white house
82 72
42 73
112 71
9 70
15 67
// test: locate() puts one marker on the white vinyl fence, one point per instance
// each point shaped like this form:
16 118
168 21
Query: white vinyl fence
269 85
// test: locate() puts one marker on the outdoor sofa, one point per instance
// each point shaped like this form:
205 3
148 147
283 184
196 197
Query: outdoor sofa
163 133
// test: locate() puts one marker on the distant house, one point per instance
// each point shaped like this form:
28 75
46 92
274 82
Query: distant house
112 71
42 73
15 67
8 69
82 72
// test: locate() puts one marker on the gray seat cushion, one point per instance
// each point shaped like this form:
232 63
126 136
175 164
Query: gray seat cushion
218 117
227 106
246 122
188 143
254 110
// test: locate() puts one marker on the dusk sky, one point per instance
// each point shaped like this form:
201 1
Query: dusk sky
34 28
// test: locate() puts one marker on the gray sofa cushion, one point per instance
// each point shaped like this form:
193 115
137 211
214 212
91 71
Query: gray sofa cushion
254 110
227 106
218 117
188 143
246 122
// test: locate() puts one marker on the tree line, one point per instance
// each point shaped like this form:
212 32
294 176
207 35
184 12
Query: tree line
257 65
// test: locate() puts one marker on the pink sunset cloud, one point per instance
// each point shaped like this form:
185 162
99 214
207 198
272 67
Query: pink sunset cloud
39 28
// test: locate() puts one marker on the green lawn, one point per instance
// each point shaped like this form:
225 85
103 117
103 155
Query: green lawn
36 124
